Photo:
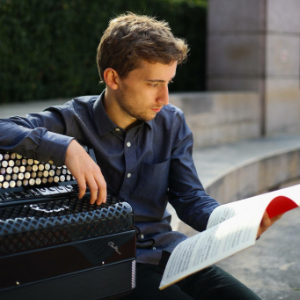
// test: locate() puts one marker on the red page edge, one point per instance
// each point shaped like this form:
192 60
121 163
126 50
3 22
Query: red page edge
280 205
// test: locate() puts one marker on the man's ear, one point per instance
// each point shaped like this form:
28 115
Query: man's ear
111 78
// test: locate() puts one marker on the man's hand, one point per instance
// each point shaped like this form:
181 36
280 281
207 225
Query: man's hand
86 171
266 222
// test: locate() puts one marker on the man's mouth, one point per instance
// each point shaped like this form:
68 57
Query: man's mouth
156 109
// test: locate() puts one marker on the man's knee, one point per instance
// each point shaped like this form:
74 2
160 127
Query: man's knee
214 283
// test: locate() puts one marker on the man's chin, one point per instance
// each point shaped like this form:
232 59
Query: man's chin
150 118
147 118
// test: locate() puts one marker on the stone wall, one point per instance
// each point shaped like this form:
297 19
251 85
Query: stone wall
255 46
282 92
235 54
217 118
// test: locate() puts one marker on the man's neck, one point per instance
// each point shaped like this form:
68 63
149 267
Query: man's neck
115 113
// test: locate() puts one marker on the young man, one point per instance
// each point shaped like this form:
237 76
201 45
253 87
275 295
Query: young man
143 148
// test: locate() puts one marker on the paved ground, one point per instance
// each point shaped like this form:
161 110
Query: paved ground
272 267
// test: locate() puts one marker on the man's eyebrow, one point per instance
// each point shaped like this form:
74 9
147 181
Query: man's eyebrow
155 80
160 80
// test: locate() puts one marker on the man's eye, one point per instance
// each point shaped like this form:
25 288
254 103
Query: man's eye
153 84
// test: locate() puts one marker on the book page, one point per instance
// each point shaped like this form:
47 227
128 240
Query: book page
232 227
211 246
227 211
284 200
275 203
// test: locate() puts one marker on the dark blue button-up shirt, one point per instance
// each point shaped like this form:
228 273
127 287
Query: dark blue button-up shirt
148 165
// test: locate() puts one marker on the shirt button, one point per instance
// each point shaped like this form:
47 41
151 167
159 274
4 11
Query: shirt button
128 144
117 129
142 236
128 175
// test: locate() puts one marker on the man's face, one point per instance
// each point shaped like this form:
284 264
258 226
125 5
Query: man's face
143 93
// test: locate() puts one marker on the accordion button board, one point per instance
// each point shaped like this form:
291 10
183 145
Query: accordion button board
50 238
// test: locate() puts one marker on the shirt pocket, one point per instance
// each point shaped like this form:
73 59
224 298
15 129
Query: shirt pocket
154 180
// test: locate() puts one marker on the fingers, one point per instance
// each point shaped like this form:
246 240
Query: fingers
86 172
266 222
81 186
102 190
97 186
274 219
93 189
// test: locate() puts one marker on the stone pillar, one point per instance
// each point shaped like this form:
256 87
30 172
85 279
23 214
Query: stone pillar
255 45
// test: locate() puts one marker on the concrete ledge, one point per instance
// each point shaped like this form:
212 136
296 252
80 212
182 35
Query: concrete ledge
21 109
253 177
257 176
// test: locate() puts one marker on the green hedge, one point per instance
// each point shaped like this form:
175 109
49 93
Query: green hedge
48 47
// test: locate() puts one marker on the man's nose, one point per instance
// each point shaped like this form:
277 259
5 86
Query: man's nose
164 95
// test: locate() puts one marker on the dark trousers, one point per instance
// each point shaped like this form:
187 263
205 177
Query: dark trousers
211 283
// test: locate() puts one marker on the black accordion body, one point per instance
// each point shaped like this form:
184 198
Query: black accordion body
56 246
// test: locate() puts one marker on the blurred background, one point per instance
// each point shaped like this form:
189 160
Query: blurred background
239 90
48 48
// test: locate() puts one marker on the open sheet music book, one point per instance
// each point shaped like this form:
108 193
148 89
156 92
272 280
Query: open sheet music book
231 228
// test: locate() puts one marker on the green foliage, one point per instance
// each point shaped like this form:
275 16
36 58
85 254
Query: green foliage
48 47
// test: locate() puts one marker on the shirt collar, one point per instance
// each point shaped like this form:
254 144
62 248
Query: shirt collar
103 123
149 123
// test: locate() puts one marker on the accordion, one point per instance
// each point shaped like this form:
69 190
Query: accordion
54 245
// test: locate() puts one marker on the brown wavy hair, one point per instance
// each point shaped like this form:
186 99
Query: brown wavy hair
130 38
